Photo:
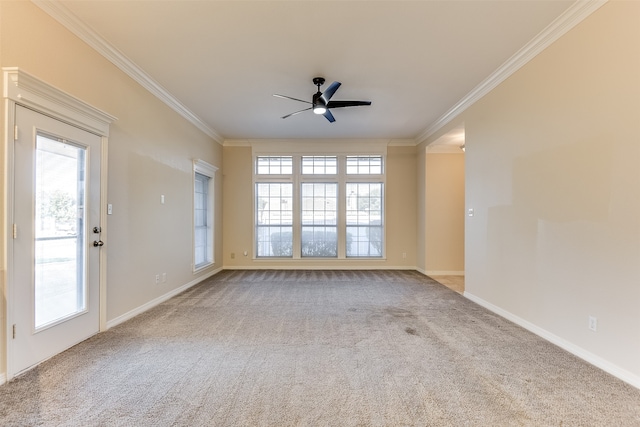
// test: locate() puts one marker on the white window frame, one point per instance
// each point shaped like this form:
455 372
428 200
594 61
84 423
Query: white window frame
313 224
341 178
368 227
203 168
260 226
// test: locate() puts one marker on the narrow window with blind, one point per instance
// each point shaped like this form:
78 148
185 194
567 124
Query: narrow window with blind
203 241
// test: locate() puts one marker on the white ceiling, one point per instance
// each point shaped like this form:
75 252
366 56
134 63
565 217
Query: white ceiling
223 60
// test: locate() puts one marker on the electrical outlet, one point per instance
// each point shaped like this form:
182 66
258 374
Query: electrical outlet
404 255
157 279
593 323
233 255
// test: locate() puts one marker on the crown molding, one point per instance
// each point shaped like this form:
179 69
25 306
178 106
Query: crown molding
402 143
444 149
250 142
65 17
29 91
316 146
571 17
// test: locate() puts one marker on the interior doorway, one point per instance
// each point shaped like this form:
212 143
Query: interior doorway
445 209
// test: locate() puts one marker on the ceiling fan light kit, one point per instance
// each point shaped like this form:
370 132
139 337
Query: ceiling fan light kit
321 101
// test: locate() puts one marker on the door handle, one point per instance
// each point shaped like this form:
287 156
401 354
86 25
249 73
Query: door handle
97 230
98 243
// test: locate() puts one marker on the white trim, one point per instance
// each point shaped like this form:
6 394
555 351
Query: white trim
272 147
149 305
575 14
402 143
27 90
440 272
204 168
104 235
236 143
444 273
443 149
3 379
583 354
64 16
9 195
207 169
571 17
306 266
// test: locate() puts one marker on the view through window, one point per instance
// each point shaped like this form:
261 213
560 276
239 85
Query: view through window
319 206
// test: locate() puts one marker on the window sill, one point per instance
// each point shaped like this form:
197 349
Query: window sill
318 259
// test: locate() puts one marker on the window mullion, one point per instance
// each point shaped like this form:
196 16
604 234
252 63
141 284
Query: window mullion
297 208
342 208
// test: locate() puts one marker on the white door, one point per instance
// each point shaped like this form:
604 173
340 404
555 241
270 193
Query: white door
54 293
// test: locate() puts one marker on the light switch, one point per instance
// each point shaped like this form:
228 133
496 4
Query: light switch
109 209
162 199
470 212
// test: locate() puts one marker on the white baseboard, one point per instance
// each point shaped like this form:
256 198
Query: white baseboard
440 272
445 273
3 379
317 267
130 314
583 354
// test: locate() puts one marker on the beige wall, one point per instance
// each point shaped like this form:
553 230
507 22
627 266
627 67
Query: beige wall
151 149
400 214
444 213
553 173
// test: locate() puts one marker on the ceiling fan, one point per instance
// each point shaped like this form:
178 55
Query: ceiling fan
321 102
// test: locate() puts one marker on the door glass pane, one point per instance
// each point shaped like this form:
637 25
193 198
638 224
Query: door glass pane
59 230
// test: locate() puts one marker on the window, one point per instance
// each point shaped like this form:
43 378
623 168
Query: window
319 165
319 220
364 165
203 174
319 206
364 219
274 165
274 219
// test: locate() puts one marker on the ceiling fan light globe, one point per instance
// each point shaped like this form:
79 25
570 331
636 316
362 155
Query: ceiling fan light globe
318 109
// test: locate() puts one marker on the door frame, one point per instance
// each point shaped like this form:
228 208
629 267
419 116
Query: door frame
21 88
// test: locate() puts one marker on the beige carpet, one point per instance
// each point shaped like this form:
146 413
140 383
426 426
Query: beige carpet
314 348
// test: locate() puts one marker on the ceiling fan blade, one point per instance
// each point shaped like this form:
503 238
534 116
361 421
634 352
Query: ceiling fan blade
340 104
333 87
297 112
288 97
329 116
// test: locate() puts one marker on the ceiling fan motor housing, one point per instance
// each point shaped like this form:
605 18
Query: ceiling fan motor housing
318 81
317 99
